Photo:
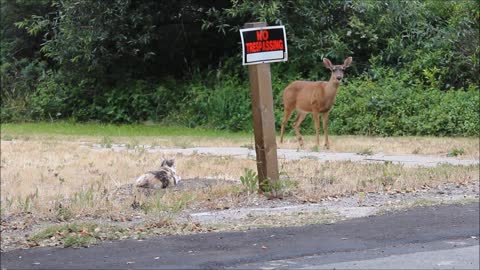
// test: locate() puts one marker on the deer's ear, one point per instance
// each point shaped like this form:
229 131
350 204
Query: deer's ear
327 63
347 62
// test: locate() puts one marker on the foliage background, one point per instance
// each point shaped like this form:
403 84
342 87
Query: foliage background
415 72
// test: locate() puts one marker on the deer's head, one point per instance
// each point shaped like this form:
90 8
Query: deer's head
337 70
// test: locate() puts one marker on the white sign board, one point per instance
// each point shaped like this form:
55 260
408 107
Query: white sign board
264 45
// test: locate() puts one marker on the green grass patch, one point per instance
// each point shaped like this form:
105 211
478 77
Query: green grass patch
109 130
167 203
78 234
424 203
72 235
365 152
454 152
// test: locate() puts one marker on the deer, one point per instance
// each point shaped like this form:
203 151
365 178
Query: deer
313 97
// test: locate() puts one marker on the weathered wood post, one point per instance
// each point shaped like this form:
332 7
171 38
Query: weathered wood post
263 113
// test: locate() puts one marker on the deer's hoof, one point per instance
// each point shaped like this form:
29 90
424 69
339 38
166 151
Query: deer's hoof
300 141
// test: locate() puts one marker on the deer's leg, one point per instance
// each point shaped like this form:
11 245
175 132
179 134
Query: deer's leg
286 116
325 129
296 126
317 127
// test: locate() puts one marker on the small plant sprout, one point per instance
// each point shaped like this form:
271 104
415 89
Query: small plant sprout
454 152
249 180
365 152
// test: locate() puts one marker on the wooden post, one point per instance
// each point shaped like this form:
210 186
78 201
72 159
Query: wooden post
263 119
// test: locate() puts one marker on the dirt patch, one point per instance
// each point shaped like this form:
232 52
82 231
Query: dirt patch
201 183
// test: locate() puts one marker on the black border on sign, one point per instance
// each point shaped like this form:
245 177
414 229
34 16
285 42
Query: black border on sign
285 53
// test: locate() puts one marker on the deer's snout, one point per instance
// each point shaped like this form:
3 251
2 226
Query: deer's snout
339 78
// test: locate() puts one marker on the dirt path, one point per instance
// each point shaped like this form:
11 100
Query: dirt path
292 154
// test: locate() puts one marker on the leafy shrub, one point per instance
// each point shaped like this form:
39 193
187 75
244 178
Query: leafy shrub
249 180
222 105
455 152
414 73
128 103
392 106
50 100
383 102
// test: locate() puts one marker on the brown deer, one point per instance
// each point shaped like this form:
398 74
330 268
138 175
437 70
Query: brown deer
314 97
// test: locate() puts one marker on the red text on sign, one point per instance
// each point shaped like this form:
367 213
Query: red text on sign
264 46
262 35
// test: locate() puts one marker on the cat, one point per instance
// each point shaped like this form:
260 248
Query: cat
164 177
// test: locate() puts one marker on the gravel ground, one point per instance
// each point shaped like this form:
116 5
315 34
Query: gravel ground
256 212
344 207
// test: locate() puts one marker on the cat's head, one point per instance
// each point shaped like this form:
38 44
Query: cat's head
168 163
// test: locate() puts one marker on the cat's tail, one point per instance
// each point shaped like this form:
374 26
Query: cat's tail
177 178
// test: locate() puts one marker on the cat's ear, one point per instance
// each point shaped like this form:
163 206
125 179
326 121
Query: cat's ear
164 163
168 162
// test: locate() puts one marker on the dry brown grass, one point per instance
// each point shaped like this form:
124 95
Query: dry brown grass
61 178
436 146
319 180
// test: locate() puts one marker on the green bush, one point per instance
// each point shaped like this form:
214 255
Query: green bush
224 104
53 99
383 102
393 107
128 103
415 67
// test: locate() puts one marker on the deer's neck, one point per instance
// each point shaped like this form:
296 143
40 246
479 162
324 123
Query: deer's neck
331 87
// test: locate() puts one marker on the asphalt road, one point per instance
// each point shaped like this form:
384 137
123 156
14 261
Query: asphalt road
433 237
